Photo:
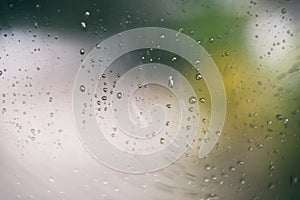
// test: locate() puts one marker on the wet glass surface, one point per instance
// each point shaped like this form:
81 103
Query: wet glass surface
149 99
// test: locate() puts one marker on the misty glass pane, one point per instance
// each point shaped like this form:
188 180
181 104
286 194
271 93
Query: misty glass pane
170 99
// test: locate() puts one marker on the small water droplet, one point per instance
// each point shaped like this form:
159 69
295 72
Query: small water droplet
192 100
271 186
272 167
240 162
82 88
283 11
232 168
171 82
87 13
279 117
98 46
202 100
242 181
75 170
83 25
104 98
162 37
119 95
173 58
162 140
211 39
51 179
82 51
294 181
198 76
197 62
191 109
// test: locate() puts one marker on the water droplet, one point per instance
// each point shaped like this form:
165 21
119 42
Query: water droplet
232 168
98 46
192 100
293 180
272 167
83 25
51 179
240 162
162 37
197 62
82 51
211 39
87 13
191 109
104 98
162 140
198 76
242 181
82 88
173 59
171 82
279 117
75 170
207 167
202 100
1 72
271 186
119 95
283 11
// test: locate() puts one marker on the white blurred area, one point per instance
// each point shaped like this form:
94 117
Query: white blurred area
41 155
